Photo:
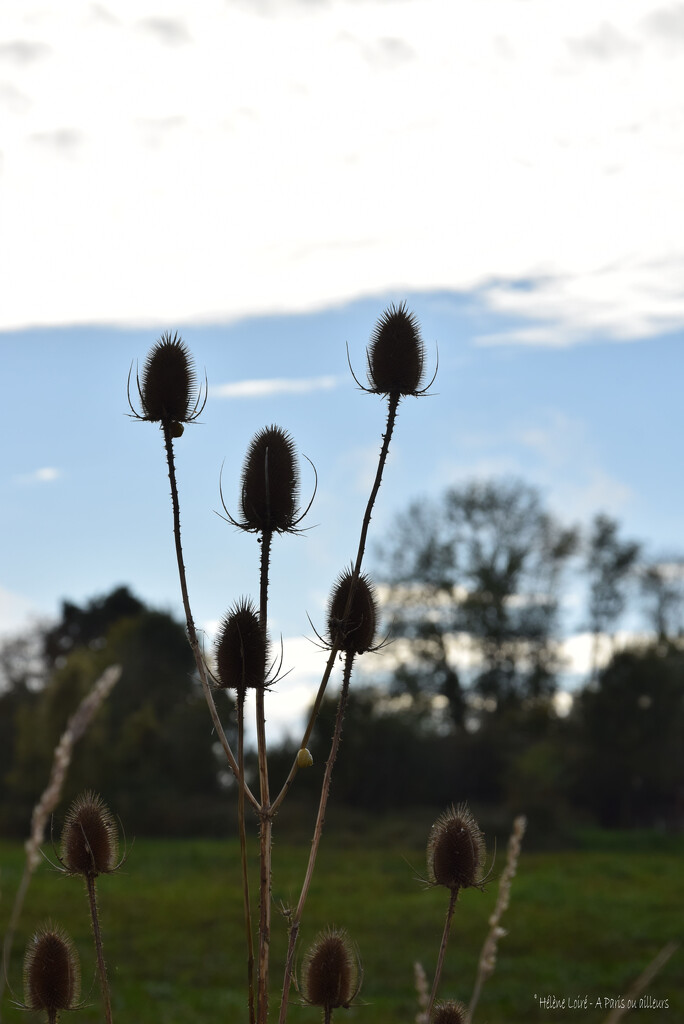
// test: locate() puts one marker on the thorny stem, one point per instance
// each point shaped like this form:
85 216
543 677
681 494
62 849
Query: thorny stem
442 951
243 850
386 438
265 812
316 841
97 935
192 633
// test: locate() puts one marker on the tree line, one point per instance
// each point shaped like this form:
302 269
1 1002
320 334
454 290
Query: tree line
475 588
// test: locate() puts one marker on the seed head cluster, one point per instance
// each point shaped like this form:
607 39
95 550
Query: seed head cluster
270 483
52 976
168 389
456 850
241 649
396 354
330 973
355 632
89 838
449 1012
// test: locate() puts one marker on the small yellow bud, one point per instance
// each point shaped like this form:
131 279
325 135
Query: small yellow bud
176 429
304 758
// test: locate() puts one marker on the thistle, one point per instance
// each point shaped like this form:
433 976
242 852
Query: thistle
456 850
89 838
455 857
450 1012
241 648
168 391
52 976
331 972
89 848
396 354
352 630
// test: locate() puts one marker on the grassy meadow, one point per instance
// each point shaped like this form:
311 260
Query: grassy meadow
583 921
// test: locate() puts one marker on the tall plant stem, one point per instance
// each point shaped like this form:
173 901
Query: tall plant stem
442 951
243 850
316 841
265 812
97 935
393 405
192 633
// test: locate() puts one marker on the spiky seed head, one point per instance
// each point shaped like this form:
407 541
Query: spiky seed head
52 975
330 971
89 837
270 482
449 1012
241 648
456 850
168 389
354 634
396 354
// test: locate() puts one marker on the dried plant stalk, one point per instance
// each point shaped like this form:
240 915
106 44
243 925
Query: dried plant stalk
641 983
487 960
76 727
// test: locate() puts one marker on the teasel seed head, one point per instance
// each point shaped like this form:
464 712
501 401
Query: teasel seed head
270 483
356 633
241 649
169 393
396 354
449 1012
331 971
89 844
456 850
52 975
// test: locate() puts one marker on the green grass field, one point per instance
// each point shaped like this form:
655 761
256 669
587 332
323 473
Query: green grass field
583 922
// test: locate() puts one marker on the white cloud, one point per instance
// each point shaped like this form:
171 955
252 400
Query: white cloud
268 387
44 475
275 157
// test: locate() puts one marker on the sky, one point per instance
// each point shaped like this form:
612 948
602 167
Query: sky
266 177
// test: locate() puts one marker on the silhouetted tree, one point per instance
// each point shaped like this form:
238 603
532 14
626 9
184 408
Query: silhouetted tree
662 588
609 565
89 625
482 569
629 725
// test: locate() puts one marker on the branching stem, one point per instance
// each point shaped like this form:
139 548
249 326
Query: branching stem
316 841
192 633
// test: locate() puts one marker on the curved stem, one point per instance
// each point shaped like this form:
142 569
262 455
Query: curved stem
192 633
97 935
393 405
316 841
442 951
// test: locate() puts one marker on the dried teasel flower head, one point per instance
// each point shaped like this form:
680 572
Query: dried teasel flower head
456 850
331 971
241 648
168 389
52 975
270 483
89 845
449 1012
396 354
354 633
